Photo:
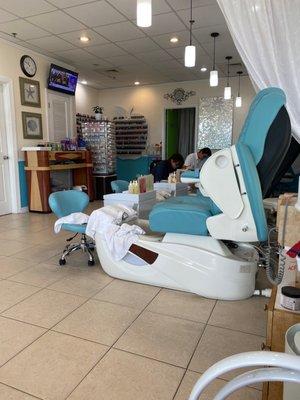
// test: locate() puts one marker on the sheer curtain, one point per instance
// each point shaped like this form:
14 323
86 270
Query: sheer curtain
267 36
186 137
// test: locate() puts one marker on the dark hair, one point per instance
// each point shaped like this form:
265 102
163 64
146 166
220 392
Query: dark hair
178 159
206 151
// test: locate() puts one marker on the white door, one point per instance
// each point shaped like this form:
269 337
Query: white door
61 116
5 190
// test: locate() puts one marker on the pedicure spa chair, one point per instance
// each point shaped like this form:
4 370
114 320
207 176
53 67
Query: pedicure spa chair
204 244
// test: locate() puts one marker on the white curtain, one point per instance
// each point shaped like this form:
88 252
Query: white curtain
267 36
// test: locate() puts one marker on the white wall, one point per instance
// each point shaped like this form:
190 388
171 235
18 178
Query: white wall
149 101
86 97
10 55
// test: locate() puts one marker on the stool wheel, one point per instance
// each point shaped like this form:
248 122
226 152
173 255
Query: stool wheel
62 261
91 263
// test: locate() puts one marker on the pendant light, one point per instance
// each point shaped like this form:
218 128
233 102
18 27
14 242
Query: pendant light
144 13
227 89
238 99
214 78
190 50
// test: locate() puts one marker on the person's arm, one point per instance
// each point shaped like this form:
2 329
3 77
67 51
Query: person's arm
188 162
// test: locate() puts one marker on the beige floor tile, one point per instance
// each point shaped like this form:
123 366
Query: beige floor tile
39 253
84 283
182 305
11 247
34 238
52 366
10 266
77 259
191 378
218 343
98 321
128 293
45 308
15 336
30 226
40 275
8 393
244 315
125 376
161 337
12 292
95 273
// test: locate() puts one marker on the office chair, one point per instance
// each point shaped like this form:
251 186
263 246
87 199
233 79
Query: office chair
64 203
119 186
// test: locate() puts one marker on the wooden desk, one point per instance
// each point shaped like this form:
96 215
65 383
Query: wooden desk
38 167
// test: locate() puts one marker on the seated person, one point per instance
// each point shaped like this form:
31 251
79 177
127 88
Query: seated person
196 160
164 168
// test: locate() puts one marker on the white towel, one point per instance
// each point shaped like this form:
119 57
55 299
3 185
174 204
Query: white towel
120 238
74 218
102 218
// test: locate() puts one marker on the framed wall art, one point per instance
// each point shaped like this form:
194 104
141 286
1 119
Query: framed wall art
30 92
32 125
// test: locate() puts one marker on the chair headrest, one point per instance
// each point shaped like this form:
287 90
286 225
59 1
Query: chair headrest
262 113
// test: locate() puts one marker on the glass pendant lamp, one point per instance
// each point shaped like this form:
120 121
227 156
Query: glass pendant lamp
190 50
238 99
144 13
214 77
227 89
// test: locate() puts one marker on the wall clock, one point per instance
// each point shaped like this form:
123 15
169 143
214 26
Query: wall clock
28 66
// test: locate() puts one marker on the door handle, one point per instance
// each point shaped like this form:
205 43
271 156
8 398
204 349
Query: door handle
5 157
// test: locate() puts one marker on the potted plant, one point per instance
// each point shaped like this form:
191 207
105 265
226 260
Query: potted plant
98 112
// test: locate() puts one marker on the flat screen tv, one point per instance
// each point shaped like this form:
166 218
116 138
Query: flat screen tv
62 80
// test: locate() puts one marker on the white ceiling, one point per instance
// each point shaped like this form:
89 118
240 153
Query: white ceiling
53 28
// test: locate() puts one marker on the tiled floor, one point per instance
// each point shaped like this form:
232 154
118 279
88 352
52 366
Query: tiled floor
75 333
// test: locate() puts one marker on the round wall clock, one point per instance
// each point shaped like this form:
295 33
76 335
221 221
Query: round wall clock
28 66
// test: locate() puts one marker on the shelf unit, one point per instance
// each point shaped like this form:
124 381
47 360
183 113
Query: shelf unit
82 118
131 135
101 141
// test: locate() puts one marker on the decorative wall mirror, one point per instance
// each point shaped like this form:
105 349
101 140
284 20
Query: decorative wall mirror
215 123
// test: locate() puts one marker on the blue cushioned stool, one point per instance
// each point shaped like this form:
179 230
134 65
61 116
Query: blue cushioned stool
65 203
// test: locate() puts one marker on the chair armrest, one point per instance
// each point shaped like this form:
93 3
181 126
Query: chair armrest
220 183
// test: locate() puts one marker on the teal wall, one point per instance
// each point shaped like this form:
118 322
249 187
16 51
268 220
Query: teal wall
23 184
129 168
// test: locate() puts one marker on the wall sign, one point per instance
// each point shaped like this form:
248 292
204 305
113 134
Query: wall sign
179 95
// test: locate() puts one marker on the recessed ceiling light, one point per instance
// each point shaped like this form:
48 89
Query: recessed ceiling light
84 39
136 83
84 82
174 39
203 69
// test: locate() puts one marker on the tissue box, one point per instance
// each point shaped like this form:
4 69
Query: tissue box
292 230
142 202
176 189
